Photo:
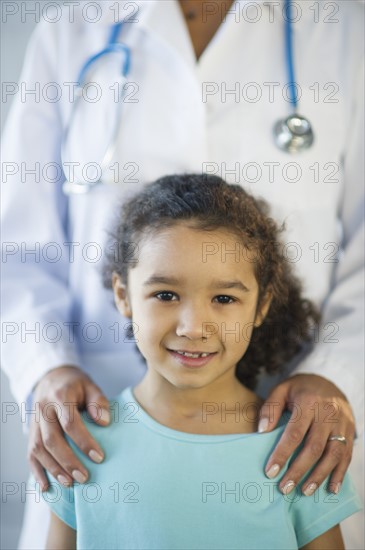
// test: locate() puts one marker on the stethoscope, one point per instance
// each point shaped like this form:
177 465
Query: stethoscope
292 134
112 47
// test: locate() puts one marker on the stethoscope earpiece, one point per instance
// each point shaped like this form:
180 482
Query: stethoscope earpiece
293 134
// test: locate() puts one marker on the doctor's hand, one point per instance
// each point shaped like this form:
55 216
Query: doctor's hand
60 395
319 412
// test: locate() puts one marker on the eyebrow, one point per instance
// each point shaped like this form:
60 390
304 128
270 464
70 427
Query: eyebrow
160 279
216 284
229 284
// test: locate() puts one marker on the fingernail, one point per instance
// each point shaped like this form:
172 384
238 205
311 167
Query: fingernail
273 471
62 479
81 478
95 456
335 488
263 425
288 487
105 416
310 489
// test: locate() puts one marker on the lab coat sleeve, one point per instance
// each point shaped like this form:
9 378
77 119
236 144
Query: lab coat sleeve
339 353
36 300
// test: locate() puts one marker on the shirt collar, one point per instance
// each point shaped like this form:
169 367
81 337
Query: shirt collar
141 10
144 12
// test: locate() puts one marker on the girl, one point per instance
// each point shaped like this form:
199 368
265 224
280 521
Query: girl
212 301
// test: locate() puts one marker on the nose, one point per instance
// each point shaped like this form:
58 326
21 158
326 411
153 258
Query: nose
191 322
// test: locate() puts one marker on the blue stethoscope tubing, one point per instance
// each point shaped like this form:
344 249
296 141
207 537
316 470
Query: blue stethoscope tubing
112 46
292 134
289 52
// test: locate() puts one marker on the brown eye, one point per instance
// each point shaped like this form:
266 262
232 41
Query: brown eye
165 296
223 299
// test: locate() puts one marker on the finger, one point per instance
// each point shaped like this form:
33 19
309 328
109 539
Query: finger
35 445
57 447
311 453
46 462
39 474
291 438
272 410
336 480
71 423
97 404
335 461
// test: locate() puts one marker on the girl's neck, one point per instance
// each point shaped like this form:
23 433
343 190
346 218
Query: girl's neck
224 408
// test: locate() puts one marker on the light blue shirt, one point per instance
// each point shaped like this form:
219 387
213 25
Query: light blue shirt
159 488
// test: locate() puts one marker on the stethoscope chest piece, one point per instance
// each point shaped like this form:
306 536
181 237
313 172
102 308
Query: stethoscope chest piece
293 134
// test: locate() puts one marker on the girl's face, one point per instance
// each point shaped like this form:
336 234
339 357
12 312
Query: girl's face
192 296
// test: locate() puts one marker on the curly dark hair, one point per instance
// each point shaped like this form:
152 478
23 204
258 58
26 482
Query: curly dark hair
211 203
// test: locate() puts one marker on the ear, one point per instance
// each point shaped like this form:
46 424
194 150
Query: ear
263 309
121 296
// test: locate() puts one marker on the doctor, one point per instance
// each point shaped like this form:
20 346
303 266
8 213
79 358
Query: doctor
206 84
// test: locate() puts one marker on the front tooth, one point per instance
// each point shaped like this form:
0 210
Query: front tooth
193 355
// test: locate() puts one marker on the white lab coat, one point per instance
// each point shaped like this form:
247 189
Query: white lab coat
186 120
